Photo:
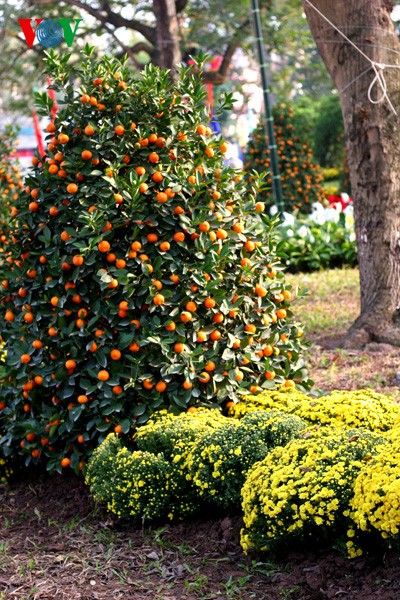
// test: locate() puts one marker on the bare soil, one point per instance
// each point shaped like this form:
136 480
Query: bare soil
335 368
56 545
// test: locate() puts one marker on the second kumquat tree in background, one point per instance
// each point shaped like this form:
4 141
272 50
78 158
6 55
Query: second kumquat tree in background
301 176
146 274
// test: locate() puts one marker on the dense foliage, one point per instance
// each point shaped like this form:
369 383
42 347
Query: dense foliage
300 175
311 245
145 273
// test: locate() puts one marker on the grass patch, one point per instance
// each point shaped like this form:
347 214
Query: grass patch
331 303
327 311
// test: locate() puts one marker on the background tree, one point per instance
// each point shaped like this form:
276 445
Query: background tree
162 32
137 29
296 68
372 131
301 176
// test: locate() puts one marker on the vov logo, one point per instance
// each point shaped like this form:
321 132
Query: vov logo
49 33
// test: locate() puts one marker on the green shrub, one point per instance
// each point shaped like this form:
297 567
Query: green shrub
145 274
345 408
302 490
329 139
300 175
311 246
218 462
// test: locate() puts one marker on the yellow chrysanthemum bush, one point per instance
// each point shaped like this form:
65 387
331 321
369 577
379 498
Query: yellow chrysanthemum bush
133 484
284 399
170 434
358 408
375 506
115 474
100 470
145 273
174 436
302 490
201 458
218 462
5 470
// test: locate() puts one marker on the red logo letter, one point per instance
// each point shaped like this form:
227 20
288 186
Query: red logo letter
28 31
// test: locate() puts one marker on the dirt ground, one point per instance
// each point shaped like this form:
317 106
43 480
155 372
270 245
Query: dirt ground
56 545
375 366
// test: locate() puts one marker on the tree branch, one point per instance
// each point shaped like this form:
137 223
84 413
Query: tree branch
129 51
180 5
24 46
219 77
110 17
8 66
142 47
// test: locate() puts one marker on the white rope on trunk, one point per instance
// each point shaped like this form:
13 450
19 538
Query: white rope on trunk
378 68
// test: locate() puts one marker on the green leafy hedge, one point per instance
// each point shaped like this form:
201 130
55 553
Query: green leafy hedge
311 246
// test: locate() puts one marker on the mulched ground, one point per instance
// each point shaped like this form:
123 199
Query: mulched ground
56 545
375 366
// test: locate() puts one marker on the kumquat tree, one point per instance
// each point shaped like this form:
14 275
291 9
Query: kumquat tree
301 176
144 273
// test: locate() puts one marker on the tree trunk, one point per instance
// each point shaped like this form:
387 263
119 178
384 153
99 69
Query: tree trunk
167 53
372 132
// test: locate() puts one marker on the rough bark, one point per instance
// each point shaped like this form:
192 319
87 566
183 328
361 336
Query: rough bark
372 132
168 53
